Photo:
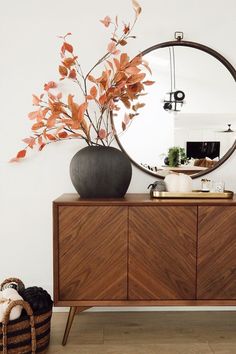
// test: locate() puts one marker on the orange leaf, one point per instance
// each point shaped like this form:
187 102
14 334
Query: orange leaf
102 134
14 159
51 137
116 52
68 62
106 21
123 42
92 79
120 76
148 82
76 125
135 78
102 99
40 140
89 97
137 106
33 115
111 47
67 121
51 122
117 63
93 92
126 118
126 102
75 135
137 60
21 154
73 107
137 8
50 85
36 100
132 70
63 70
26 140
81 110
70 101
68 47
126 29
62 135
72 74
29 141
37 126
124 59
42 146
123 126
51 96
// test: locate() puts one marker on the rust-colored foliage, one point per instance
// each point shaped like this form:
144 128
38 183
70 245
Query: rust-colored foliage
122 80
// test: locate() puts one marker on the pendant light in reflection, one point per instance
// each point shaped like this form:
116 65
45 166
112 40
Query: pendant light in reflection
174 99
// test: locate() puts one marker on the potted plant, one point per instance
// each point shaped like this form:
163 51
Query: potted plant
98 170
176 156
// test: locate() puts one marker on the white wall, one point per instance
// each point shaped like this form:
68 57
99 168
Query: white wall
29 57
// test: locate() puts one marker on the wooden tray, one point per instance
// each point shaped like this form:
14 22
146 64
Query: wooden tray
194 194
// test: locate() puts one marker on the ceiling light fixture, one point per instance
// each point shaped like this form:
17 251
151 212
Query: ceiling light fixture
175 98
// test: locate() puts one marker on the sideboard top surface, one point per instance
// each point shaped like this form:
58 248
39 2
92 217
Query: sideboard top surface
139 199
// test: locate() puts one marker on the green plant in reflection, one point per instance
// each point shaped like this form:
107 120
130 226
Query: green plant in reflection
176 156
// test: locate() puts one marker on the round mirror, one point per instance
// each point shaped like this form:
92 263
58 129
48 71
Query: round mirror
188 123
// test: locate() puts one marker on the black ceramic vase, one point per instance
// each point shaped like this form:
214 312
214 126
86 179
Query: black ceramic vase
100 172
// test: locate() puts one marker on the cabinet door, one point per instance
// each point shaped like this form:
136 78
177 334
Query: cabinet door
217 252
92 253
162 252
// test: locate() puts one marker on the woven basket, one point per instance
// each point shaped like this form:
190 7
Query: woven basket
28 334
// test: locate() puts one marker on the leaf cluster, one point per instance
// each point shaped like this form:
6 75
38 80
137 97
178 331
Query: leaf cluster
122 80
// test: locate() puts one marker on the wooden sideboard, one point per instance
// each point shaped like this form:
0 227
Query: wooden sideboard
137 251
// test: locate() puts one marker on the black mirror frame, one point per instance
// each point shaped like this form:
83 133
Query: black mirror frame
228 66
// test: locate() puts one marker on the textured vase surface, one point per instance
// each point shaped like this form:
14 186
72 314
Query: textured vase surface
100 172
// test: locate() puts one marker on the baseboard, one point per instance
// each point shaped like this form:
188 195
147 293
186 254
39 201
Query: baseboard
152 309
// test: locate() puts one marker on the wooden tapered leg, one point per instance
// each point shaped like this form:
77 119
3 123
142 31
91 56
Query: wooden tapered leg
69 322
73 310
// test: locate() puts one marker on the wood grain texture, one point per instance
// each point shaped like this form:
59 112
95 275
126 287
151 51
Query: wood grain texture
92 253
134 303
138 199
217 253
146 333
162 252
91 247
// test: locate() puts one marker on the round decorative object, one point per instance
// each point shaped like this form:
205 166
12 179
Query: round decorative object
179 95
100 172
38 298
166 161
178 108
178 182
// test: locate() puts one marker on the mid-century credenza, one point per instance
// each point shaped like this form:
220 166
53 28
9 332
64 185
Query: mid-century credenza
137 251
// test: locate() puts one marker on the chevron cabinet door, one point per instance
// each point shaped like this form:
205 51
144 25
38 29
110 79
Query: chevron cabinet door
92 253
217 253
162 252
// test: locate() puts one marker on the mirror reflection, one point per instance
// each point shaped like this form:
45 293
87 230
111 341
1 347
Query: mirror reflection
189 120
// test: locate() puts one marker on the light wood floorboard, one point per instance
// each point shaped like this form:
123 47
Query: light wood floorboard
146 333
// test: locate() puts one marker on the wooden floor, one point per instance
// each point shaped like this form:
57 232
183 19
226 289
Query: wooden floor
146 333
